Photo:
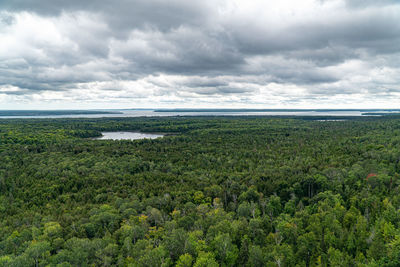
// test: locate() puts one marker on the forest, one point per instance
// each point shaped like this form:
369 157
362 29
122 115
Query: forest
216 191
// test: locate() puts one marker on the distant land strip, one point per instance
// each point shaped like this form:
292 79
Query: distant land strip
271 110
380 114
53 112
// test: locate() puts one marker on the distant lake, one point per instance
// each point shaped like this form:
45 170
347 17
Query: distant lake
127 136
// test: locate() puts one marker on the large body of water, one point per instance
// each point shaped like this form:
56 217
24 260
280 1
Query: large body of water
156 113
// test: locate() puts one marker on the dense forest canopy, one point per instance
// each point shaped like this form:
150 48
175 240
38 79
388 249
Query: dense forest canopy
219 191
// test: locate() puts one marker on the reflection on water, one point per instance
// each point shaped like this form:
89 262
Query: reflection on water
127 136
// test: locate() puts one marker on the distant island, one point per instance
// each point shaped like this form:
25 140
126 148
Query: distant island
380 113
269 110
53 112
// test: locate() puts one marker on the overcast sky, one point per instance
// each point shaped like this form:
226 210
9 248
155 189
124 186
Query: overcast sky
205 53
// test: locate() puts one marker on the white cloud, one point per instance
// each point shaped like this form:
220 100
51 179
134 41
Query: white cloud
215 53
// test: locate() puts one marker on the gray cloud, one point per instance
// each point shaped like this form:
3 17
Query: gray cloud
124 14
184 51
364 3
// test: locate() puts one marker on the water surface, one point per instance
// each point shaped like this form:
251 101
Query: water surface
128 136
109 113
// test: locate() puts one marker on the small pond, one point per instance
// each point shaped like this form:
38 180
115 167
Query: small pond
127 136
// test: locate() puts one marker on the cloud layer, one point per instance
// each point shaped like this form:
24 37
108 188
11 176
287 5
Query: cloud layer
157 53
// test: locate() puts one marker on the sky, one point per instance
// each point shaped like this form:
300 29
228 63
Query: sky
100 54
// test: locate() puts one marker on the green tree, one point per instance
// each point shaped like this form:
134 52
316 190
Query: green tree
185 260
